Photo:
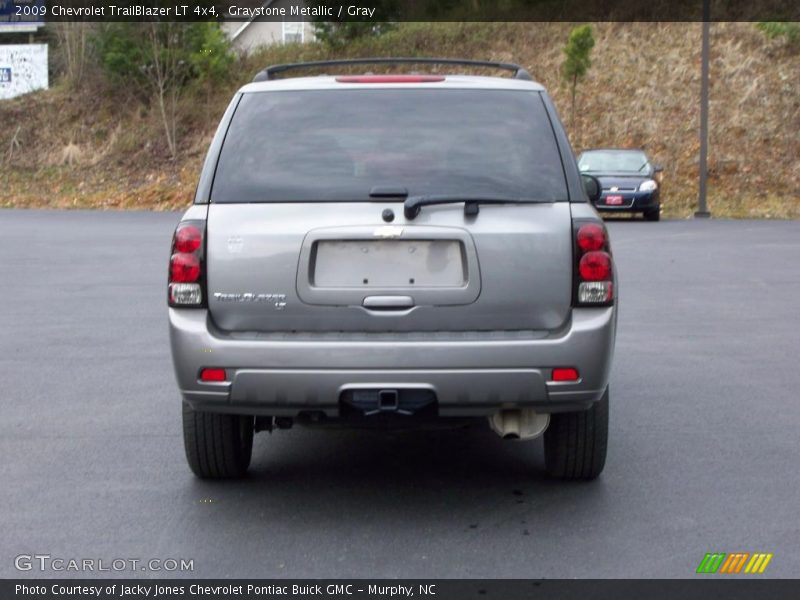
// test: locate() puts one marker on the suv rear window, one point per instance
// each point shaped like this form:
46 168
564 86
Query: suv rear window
336 145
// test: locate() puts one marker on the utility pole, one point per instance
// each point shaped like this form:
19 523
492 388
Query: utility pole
702 205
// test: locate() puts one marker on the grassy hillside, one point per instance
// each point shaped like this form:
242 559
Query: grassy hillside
99 146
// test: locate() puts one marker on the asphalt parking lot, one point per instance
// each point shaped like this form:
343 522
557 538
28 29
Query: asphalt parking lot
704 437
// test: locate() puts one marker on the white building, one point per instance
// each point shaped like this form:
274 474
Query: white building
23 67
247 36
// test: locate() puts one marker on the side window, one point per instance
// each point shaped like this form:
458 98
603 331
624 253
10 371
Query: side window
292 32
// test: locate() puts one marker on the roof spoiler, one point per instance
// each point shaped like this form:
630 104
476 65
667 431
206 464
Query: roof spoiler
270 73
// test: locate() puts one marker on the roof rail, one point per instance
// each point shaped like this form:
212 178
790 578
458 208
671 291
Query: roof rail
270 73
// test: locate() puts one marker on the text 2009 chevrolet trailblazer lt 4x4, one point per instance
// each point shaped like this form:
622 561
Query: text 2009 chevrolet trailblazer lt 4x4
389 250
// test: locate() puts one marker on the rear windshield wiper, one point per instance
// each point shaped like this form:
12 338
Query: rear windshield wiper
413 204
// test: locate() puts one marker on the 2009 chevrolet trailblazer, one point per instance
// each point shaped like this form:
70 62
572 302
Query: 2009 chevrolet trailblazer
392 249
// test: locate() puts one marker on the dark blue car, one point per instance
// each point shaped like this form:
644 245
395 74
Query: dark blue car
629 179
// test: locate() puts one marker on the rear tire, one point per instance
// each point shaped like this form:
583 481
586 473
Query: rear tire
654 214
217 446
575 443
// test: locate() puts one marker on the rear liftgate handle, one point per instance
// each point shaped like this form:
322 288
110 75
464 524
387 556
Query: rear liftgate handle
388 302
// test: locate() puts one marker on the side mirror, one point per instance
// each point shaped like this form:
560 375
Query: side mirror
592 186
658 173
658 169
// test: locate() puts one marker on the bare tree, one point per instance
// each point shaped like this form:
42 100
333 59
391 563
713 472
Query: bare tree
157 61
164 73
73 42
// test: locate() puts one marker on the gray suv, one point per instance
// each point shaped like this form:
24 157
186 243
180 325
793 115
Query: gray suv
391 250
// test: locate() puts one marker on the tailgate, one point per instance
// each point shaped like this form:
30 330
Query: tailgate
294 267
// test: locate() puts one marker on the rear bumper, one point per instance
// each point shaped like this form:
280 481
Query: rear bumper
282 375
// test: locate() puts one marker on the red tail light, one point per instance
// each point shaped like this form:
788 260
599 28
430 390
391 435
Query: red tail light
213 375
565 374
594 270
184 268
595 266
187 238
591 237
186 278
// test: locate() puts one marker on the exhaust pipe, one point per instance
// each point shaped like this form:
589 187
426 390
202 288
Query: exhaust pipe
519 424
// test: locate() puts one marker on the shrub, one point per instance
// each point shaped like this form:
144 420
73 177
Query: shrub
776 29
158 60
578 58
